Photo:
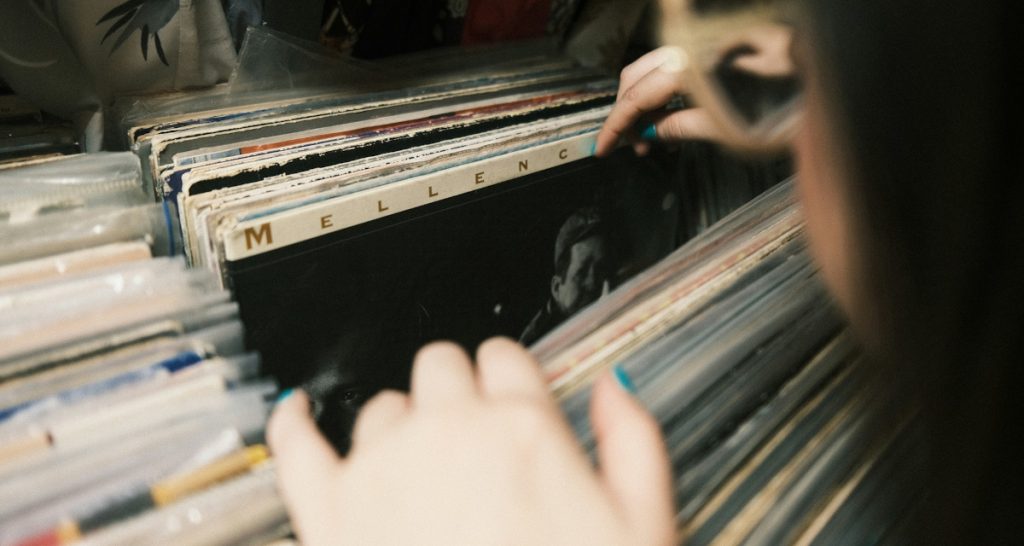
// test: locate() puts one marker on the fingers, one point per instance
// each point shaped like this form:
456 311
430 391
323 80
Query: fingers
690 124
650 92
506 369
295 441
442 374
640 67
304 459
634 463
379 415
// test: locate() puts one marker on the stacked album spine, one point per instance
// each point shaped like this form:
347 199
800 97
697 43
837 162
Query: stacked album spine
758 387
129 410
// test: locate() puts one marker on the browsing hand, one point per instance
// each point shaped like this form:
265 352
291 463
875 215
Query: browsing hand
476 457
645 87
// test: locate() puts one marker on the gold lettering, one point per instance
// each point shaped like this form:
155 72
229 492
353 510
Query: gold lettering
326 221
563 153
480 178
431 192
524 165
252 235
381 207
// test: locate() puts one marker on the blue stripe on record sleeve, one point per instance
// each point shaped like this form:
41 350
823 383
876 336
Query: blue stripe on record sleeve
71 396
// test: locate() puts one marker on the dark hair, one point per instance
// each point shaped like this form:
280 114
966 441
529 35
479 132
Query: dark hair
927 101
562 264
583 224
565 258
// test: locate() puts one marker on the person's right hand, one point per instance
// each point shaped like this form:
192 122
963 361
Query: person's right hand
645 87
479 456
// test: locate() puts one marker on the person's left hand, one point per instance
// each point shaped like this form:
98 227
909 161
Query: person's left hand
476 457
646 86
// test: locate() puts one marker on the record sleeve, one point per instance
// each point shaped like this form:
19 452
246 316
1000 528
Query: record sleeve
513 256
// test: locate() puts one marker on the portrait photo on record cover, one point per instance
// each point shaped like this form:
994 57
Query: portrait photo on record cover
584 260
344 314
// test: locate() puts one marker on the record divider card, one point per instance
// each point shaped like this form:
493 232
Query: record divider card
257 236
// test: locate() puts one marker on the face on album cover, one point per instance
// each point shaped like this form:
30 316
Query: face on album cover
344 314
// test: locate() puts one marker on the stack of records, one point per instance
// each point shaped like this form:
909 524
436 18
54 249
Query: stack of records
129 411
444 195
354 228
58 213
733 345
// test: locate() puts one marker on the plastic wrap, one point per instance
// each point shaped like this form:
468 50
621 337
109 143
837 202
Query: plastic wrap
235 512
75 230
88 180
76 262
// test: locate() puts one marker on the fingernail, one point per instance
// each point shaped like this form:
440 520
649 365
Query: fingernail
593 147
623 378
650 133
284 395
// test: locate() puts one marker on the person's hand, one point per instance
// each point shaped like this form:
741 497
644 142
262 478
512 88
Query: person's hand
476 457
645 87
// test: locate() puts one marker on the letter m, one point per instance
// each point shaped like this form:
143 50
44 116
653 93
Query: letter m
257 235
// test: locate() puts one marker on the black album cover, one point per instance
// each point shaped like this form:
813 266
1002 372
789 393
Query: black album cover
343 315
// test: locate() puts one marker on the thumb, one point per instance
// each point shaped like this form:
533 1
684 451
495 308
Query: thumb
304 460
634 463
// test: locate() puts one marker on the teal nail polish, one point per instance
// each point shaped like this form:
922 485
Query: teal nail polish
284 395
649 133
623 378
593 147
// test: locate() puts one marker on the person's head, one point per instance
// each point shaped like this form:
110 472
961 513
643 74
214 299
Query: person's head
582 262
903 155
910 122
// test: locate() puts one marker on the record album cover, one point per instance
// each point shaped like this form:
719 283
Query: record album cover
343 314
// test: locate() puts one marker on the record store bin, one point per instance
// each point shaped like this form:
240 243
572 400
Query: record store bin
205 204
